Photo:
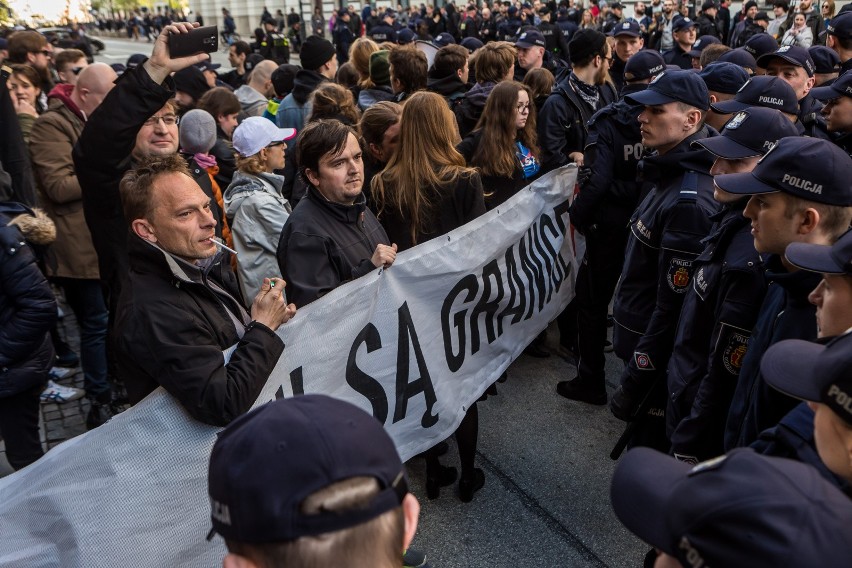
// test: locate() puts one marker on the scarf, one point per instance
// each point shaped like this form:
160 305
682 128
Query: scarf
205 160
588 93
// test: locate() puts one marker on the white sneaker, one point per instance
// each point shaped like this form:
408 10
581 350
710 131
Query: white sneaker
58 373
59 394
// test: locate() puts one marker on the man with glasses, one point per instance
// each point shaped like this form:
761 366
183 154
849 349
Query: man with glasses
31 48
69 64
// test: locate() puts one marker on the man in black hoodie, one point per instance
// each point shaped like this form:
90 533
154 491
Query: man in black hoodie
318 66
449 74
666 233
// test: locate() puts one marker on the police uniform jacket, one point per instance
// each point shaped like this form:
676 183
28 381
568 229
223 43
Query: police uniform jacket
666 233
174 320
718 314
562 123
812 119
785 313
616 72
383 32
468 28
613 149
324 244
709 26
677 56
487 30
554 39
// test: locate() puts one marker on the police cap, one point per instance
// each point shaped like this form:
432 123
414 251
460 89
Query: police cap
674 86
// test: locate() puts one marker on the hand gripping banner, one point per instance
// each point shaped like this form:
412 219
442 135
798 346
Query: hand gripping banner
414 344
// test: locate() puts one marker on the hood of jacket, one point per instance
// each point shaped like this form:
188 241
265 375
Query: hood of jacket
249 97
244 185
369 97
304 83
62 92
446 86
479 94
34 224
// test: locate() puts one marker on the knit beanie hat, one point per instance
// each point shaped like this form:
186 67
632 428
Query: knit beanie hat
191 81
315 52
197 132
380 67
585 43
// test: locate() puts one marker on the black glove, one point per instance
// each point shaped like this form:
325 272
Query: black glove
583 175
623 405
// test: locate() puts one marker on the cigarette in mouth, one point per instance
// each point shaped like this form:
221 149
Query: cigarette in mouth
216 242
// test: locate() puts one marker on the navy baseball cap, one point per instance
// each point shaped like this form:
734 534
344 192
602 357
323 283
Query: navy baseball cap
740 509
682 24
644 65
674 86
825 59
530 38
405 36
722 77
749 133
760 44
701 43
740 57
840 88
827 259
266 462
208 65
809 168
627 28
443 39
793 54
471 44
840 25
813 371
135 60
762 91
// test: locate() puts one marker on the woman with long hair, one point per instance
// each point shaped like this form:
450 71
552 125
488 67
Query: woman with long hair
504 146
425 191
359 56
540 81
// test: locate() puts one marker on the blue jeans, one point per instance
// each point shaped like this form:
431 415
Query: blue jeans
86 299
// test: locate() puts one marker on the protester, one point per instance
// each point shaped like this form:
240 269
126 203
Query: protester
377 87
666 233
255 207
721 308
28 308
30 48
408 69
224 107
172 241
255 94
799 33
23 86
71 261
326 483
540 82
494 63
379 126
190 85
426 191
69 63
331 237
237 54
318 66
360 54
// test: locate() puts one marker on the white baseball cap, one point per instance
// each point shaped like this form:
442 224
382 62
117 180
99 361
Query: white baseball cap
256 133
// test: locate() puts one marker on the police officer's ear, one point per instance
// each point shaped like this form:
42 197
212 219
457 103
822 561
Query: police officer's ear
694 118
810 221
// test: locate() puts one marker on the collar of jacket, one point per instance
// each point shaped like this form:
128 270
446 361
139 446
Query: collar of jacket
798 283
681 158
344 213
150 258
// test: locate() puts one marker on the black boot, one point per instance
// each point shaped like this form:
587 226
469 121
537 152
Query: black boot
582 391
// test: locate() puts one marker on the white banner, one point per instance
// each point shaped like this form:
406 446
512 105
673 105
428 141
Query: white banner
414 345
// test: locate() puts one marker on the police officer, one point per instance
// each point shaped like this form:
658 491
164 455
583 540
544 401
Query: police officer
468 26
385 30
487 26
794 65
628 41
601 212
838 110
666 233
554 39
683 33
509 28
273 44
720 308
761 91
566 22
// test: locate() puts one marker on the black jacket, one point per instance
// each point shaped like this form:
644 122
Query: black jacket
325 244
469 109
562 123
498 188
666 233
718 314
27 304
382 32
224 153
450 87
677 56
812 119
709 26
172 326
613 150
785 313
554 39
102 155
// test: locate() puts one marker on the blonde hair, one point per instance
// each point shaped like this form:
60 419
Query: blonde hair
330 100
426 159
359 56
252 165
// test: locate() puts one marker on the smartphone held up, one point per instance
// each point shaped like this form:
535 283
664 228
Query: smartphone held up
200 40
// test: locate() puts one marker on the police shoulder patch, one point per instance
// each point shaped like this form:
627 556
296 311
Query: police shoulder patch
735 350
678 274
643 361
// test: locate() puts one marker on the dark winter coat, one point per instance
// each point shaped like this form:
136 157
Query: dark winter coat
498 188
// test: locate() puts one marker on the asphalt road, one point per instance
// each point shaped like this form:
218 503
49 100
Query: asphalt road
546 461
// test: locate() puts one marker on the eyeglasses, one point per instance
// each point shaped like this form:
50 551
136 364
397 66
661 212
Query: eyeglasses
44 52
522 108
168 120
76 70
279 143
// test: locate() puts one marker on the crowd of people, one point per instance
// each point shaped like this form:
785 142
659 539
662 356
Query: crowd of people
183 211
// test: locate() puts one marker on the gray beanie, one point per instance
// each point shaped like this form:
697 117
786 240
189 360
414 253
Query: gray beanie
197 132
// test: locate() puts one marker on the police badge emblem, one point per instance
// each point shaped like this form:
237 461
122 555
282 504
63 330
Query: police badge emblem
735 350
737 121
678 274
